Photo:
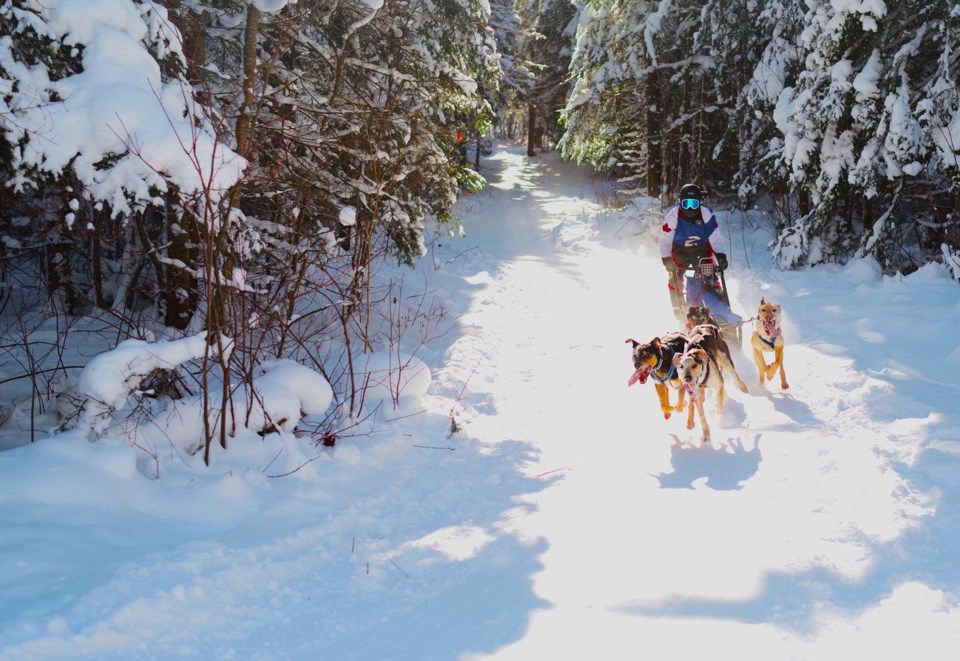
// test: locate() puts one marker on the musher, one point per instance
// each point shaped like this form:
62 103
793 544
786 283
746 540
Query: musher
690 233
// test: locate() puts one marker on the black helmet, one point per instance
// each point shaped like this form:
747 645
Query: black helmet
691 192
691 211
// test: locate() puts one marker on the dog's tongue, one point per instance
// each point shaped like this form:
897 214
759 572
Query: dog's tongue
639 375
770 329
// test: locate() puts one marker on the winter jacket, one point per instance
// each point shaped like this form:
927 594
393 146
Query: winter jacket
678 230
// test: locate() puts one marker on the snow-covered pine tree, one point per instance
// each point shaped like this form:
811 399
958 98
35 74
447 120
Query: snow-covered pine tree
733 36
645 97
548 30
773 33
505 22
368 97
609 57
867 131
99 127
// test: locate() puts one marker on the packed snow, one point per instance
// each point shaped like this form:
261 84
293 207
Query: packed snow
516 499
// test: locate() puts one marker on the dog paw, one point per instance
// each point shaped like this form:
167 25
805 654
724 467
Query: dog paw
784 386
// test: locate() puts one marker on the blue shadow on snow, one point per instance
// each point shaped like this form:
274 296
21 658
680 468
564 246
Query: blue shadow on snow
726 465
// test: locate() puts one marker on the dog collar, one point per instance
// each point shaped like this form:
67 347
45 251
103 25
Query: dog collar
664 379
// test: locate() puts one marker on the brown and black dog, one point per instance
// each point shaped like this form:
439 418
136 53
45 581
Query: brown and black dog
698 315
768 337
701 368
710 339
656 359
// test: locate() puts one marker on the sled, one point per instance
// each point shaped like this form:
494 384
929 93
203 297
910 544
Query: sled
705 285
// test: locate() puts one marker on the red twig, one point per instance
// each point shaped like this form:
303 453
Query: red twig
555 470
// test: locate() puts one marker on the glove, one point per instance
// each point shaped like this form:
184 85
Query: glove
670 264
721 260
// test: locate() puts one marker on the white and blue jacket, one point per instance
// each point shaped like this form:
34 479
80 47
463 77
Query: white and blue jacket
678 230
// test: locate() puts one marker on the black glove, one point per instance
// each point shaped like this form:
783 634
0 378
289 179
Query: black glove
670 264
721 260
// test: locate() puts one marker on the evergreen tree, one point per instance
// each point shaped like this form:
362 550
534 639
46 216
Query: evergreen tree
79 144
774 60
644 98
867 136
546 50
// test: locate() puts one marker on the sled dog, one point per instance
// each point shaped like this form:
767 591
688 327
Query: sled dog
768 337
655 359
709 338
699 372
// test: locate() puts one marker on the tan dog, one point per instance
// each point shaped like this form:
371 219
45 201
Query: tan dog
699 371
767 337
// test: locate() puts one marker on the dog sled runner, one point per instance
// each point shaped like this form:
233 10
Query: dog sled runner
704 285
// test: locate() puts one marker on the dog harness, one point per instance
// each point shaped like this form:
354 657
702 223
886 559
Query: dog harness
669 375
774 333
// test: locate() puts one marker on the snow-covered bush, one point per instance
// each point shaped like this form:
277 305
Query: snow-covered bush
238 168
109 397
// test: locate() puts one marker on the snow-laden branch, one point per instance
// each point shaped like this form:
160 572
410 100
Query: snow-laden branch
117 123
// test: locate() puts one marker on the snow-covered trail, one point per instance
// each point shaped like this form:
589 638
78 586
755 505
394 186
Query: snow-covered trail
567 519
757 537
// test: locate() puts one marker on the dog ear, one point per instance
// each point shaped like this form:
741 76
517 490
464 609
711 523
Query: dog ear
762 302
633 341
656 342
676 360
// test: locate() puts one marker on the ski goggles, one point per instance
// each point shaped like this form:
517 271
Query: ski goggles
689 204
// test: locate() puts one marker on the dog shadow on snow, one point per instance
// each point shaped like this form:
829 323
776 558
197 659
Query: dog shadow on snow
793 408
725 463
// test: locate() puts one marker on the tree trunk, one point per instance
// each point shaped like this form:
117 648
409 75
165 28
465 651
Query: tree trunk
244 120
531 129
180 294
652 101
96 266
